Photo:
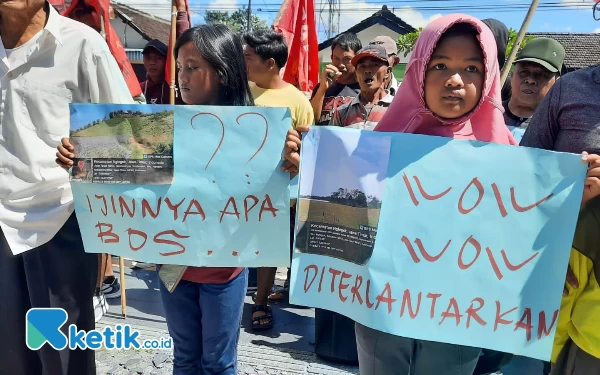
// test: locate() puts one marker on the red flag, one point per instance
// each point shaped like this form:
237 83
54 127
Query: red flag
103 10
59 5
178 33
296 22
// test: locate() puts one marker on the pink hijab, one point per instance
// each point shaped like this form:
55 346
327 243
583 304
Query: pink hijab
408 112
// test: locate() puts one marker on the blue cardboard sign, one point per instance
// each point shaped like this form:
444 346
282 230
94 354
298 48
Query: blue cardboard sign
227 205
444 240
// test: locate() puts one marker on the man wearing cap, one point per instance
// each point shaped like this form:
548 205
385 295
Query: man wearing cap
373 70
155 88
392 53
537 68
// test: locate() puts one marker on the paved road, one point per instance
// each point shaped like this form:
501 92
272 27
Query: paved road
285 349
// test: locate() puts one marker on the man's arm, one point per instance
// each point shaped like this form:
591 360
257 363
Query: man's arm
105 80
316 102
328 75
544 127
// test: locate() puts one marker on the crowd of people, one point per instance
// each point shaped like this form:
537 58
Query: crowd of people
451 88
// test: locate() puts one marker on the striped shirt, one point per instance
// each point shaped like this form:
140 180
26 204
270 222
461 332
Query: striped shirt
359 116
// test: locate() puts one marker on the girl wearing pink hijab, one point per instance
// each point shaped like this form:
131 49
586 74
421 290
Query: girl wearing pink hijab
451 88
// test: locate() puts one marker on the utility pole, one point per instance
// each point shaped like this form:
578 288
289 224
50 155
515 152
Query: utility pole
249 25
517 44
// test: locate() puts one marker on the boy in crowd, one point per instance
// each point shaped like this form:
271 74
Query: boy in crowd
155 88
337 84
266 54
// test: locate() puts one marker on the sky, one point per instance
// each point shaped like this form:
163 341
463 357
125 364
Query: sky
350 161
551 16
83 114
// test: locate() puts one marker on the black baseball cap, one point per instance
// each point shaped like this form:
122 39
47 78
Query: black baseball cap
158 46
376 51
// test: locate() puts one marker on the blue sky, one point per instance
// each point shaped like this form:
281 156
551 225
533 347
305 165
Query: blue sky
350 161
83 114
573 15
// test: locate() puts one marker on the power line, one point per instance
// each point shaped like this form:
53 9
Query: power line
427 5
448 2
324 11
497 7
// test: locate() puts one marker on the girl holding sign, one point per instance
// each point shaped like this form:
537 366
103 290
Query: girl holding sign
451 88
454 69
204 311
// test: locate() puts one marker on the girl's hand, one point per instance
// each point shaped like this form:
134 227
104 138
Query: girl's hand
591 187
290 168
65 154
292 147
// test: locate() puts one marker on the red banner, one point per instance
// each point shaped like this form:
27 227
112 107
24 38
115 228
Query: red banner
59 5
103 9
296 22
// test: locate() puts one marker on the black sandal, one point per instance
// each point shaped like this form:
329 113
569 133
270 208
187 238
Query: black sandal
268 315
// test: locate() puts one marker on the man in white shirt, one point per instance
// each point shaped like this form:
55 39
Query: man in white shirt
46 62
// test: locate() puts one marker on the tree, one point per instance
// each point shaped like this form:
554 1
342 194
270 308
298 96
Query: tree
373 202
237 20
512 38
406 42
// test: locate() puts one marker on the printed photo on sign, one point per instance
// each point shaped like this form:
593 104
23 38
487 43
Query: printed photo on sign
122 144
340 195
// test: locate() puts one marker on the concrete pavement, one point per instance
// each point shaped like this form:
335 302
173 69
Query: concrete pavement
286 349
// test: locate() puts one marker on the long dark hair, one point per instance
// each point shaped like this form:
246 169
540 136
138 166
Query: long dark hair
222 48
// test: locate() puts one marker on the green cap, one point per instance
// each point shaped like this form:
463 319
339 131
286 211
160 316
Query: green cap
544 51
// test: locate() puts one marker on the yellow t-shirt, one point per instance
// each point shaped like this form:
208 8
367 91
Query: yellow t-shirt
288 97
579 311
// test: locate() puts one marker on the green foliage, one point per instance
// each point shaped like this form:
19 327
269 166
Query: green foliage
406 42
163 148
237 20
512 38
148 133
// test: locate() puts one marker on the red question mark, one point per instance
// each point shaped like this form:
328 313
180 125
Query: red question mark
266 131
222 132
